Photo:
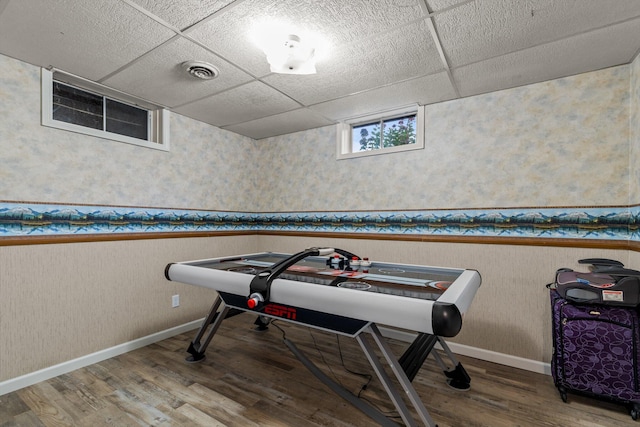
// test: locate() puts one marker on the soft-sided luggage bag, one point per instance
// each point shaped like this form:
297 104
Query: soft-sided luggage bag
607 282
596 351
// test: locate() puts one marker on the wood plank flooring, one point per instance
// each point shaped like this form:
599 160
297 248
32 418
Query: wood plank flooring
250 378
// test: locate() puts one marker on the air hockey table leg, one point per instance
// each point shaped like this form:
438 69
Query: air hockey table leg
414 357
214 318
262 323
457 377
402 378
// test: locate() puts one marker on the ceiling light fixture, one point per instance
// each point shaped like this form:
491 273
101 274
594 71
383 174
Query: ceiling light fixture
200 70
289 49
289 54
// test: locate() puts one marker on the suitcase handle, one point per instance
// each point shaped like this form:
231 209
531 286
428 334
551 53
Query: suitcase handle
618 271
601 262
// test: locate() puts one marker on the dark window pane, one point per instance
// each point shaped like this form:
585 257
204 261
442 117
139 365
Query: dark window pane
76 106
126 120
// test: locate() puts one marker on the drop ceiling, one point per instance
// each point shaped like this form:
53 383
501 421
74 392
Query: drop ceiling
384 54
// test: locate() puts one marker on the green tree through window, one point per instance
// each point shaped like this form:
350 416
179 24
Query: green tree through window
384 133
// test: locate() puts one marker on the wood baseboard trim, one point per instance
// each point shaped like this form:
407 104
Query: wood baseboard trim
478 353
32 378
479 240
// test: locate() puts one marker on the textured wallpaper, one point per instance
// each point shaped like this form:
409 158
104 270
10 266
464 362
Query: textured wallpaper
634 127
557 143
206 167
561 143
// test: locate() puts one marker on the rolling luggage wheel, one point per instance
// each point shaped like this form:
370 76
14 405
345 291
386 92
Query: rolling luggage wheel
563 394
634 411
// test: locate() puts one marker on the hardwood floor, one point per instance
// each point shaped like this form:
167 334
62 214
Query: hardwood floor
250 378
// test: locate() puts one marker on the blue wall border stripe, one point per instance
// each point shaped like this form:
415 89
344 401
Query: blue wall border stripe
604 223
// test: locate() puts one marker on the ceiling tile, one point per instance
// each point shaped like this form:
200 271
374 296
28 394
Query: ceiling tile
90 39
400 55
439 5
159 76
241 104
339 22
423 90
586 52
280 124
184 13
485 29
382 52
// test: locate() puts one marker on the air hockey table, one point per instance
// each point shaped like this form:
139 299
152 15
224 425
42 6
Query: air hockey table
336 291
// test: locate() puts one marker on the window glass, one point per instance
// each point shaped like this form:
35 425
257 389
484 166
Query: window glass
389 132
365 137
126 120
82 108
395 132
399 131
77 106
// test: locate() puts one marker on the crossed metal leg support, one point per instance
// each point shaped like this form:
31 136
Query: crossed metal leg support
413 358
214 318
197 347
404 369
401 376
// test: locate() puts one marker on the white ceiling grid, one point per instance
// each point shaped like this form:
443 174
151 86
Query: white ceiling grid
384 54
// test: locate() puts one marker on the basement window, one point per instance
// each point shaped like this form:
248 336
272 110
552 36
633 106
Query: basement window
78 105
388 132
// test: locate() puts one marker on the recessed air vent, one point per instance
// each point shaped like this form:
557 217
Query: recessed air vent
200 70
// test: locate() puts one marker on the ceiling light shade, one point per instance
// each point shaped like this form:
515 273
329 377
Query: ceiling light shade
290 55
290 49
200 70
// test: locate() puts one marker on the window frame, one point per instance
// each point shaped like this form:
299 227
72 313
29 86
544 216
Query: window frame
157 117
344 145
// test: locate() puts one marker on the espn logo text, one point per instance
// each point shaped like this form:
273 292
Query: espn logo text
280 311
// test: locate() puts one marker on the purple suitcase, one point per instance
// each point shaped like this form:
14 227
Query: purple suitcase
596 351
